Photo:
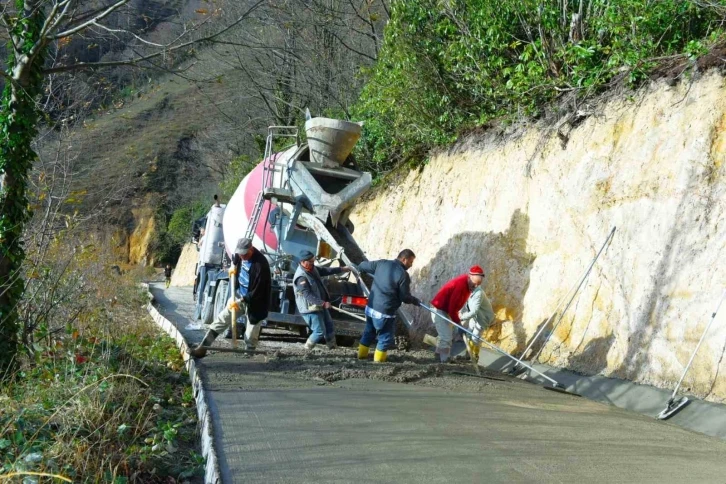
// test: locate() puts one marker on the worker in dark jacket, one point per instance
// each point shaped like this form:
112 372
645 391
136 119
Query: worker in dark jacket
254 302
313 300
391 287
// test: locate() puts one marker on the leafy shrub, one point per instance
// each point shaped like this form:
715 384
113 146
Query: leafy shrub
453 64
239 167
99 394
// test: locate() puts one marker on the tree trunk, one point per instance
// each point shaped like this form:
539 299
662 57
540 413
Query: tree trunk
18 127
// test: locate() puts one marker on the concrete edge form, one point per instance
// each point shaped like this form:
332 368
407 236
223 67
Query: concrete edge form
699 416
209 451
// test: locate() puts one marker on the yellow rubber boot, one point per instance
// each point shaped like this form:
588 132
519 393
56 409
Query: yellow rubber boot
470 346
363 352
379 356
475 352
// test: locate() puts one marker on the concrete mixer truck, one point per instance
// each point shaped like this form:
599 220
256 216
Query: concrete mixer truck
300 198
210 245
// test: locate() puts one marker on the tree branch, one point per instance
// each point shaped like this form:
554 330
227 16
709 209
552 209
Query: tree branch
141 59
124 31
88 23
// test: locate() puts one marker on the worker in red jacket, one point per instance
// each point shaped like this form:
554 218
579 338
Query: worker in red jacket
448 302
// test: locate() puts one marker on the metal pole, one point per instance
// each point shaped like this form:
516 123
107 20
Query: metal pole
360 279
576 289
356 316
703 336
493 346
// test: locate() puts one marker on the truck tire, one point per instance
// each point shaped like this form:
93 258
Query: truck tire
207 305
220 299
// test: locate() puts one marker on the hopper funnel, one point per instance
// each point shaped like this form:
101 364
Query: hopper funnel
331 140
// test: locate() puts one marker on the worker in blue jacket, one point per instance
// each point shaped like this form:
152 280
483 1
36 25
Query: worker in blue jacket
391 288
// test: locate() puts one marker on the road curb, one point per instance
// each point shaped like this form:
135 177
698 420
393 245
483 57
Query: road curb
209 451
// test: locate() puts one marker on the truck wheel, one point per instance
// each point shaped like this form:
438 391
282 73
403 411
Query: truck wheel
220 299
208 306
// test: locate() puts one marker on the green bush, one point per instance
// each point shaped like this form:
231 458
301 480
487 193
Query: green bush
452 64
168 242
99 394
238 168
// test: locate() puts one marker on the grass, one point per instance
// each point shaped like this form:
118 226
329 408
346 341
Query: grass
104 402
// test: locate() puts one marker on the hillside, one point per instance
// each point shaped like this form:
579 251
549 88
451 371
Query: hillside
145 144
147 156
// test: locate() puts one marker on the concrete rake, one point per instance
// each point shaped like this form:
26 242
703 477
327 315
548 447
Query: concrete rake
676 405
517 369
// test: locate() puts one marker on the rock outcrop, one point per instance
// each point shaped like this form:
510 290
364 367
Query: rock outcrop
186 267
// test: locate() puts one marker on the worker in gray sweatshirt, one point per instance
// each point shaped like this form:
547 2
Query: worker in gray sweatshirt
313 300
477 314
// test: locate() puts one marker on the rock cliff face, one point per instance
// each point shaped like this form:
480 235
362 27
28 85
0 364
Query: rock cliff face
186 267
534 207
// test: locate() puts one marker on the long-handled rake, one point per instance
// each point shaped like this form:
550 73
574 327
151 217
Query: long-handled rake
572 293
675 405
556 386
353 315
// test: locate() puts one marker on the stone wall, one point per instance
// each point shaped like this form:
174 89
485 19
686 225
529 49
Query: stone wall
534 208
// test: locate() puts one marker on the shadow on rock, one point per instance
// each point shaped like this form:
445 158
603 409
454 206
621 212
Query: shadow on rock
593 359
505 259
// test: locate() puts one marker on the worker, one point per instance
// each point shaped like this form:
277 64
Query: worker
477 314
313 300
391 288
167 275
448 302
255 302
216 201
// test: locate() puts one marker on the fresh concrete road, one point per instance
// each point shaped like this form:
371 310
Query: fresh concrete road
295 417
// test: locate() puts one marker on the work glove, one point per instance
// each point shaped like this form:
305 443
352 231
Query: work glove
234 305
415 301
477 328
232 271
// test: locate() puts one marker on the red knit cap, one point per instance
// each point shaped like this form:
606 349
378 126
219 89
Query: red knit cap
476 271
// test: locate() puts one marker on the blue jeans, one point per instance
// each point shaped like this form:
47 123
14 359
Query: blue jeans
321 324
382 328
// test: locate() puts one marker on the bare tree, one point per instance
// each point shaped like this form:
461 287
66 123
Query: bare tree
34 30
306 54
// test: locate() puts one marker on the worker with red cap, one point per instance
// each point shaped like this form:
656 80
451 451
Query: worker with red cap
448 302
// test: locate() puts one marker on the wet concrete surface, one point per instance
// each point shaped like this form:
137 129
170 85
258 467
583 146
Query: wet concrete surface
289 415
